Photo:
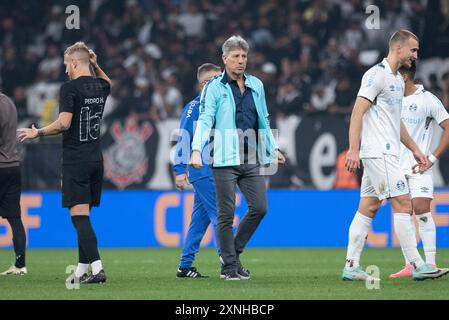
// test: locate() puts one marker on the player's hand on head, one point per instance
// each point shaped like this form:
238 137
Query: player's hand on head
92 57
352 161
195 160
27 133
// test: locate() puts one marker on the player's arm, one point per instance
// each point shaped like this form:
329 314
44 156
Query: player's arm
444 142
208 109
99 73
439 113
66 106
280 158
60 125
182 153
410 144
361 106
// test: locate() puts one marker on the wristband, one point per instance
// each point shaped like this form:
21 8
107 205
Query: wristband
432 158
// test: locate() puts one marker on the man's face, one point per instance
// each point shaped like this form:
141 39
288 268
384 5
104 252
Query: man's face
235 61
408 52
206 77
69 66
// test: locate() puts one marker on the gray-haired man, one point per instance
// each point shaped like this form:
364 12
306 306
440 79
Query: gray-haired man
234 103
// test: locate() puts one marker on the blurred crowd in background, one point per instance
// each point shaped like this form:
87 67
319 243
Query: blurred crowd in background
310 54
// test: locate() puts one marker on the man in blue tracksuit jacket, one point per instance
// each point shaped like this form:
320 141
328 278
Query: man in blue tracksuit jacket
204 207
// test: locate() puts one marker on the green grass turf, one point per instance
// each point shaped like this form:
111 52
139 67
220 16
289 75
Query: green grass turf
276 274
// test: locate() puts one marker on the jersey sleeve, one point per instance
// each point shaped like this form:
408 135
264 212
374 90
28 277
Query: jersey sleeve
106 86
437 110
182 155
67 98
372 84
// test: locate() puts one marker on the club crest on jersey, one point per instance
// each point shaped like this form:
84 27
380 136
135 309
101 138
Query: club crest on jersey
413 107
400 185
126 162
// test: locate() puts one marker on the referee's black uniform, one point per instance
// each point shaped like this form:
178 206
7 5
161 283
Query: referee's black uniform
10 178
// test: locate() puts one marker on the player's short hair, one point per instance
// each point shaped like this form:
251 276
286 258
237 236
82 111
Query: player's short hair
234 42
77 47
206 67
402 36
82 51
409 71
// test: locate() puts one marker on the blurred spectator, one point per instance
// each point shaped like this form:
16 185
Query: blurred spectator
344 98
445 79
152 48
434 86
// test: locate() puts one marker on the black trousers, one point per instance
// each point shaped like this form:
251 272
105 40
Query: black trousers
252 185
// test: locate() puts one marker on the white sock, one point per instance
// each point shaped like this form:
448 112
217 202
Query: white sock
404 231
427 232
81 269
358 231
412 220
96 267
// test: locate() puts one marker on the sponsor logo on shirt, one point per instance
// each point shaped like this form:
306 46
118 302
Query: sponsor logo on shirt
191 106
394 101
411 120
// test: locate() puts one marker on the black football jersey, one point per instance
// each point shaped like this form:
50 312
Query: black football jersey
85 98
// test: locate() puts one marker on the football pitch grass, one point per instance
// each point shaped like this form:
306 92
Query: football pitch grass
288 274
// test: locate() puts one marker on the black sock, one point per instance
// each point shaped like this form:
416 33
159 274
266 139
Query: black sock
87 240
82 257
19 240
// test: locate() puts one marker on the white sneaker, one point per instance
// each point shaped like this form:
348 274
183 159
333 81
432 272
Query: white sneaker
13 270
356 274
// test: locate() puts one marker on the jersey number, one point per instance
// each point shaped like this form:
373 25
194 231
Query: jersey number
89 124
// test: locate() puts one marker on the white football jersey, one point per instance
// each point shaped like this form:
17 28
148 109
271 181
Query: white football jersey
381 123
421 113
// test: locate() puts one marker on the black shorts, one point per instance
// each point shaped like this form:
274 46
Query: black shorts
10 185
81 184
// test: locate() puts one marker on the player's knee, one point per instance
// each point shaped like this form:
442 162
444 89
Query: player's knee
421 208
260 209
372 209
402 205
225 218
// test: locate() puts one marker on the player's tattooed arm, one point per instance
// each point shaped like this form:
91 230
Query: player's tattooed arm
61 124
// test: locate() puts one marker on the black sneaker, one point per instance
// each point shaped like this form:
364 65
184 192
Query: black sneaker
243 273
229 275
72 279
189 273
100 277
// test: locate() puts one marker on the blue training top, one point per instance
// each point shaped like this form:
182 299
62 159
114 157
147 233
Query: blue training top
189 118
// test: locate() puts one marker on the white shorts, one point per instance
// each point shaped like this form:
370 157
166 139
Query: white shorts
383 178
420 185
